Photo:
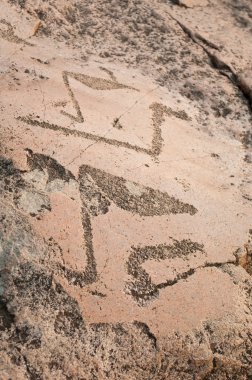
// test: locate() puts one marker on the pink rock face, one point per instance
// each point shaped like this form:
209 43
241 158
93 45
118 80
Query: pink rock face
125 220
139 208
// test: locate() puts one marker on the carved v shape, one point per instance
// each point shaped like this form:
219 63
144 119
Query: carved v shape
158 113
91 82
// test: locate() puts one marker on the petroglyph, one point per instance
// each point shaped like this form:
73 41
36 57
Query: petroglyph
98 190
156 145
158 117
56 172
130 196
141 287
86 135
159 111
91 82
9 34
124 250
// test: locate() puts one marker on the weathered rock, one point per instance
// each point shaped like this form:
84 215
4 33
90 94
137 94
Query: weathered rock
125 183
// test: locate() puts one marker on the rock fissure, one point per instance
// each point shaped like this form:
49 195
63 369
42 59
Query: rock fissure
222 67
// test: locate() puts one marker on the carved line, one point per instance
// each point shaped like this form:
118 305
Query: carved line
142 288
79 117
76 133
158 109
89 275
97 190
91 82
110 73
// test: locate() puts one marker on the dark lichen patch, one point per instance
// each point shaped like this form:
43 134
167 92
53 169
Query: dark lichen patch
34 284
131 196
54 169
115 343
246 139
67 322
221 109
37 289
10 177
32 372
141 287
192 92
241 12
7 168
27 335
11 181
6 318
248 158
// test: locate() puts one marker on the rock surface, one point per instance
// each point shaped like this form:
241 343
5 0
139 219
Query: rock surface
126 190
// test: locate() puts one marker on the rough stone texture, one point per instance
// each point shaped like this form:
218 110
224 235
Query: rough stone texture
126 190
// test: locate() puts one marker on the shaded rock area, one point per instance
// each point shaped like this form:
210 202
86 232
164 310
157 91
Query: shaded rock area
126 190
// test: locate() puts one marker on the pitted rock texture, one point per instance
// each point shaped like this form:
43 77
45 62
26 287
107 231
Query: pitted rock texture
125 190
